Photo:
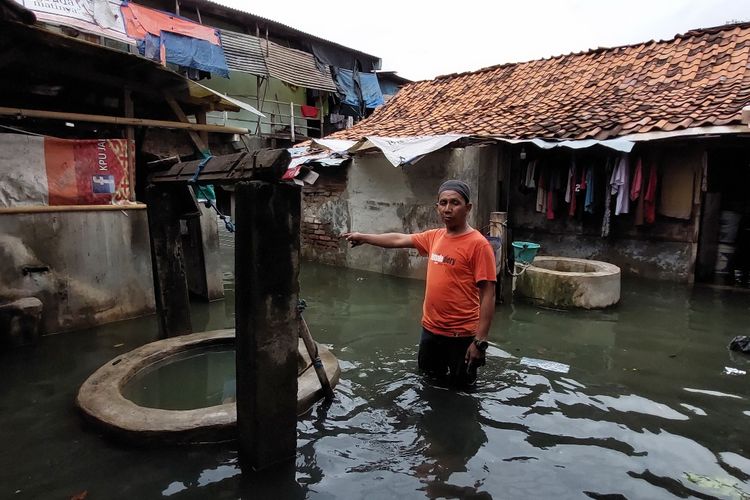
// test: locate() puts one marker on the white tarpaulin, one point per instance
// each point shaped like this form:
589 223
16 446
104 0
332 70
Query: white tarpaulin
335 145
408 150
100 17
617 144
405 150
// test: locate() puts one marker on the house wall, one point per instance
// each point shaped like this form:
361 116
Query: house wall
243 86
99 265
665 250
379 197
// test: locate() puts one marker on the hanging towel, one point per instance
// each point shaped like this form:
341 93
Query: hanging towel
607 200
635 189
649 205
541 194
550 205
677 186
588 205
569 185
619 183
530 175
309 111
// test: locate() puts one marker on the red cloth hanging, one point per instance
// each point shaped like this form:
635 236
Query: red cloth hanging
309 111
635 188
550 205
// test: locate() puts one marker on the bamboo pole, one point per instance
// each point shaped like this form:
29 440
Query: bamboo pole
119 120
33 209
312 350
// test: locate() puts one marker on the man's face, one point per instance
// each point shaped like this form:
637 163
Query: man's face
452 209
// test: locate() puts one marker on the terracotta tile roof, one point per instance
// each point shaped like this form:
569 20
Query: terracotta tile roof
696 79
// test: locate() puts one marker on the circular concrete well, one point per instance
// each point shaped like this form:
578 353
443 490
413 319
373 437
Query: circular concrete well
570 283
102 397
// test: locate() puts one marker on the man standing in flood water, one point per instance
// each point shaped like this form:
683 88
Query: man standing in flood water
460 290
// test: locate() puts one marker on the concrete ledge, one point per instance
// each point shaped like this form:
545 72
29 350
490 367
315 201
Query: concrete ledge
101 401
570 283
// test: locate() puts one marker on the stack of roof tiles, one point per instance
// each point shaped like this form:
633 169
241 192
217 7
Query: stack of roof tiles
700 78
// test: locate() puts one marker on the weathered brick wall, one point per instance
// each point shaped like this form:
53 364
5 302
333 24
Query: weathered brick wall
325 217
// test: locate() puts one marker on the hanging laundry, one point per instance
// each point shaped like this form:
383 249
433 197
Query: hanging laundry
530 175
635 188
588 205
609 170
649 205
309 111
639 187
551 205
581 186
677 186
569 185
541 194
619 183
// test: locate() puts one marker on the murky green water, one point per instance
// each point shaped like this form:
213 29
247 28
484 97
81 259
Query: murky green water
645 409
197 378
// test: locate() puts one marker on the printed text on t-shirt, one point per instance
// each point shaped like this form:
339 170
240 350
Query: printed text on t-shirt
442 259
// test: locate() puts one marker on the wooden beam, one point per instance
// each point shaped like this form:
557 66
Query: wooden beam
130 136
198 142
200 117
118 120
265 164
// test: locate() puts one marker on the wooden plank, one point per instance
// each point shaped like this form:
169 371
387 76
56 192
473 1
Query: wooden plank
118 120
265 164
198 142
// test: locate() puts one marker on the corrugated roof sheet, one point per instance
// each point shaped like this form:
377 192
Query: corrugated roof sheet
297 67
243 53
700 78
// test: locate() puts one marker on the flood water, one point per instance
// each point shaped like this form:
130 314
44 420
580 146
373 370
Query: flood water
638 404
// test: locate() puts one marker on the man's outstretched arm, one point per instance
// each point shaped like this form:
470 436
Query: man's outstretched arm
384 240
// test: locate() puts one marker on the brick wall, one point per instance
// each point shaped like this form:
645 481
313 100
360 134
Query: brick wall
323 213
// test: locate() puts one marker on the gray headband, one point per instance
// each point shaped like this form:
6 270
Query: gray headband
458 186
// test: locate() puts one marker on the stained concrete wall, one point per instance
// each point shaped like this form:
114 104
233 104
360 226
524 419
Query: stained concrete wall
99 265
382 198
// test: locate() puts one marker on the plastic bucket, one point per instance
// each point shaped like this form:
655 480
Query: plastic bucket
524 251
723 258
728 224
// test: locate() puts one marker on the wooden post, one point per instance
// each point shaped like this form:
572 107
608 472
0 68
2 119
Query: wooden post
200 117
322 118
267 248
130 136
291 118
170 282
498 229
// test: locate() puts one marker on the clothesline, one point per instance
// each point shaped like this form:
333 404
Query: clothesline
619 185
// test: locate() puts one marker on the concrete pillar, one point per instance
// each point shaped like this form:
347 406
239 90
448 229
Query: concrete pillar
267 247
170 283
202 259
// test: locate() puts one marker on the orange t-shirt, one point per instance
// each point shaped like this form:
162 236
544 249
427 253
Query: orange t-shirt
456 264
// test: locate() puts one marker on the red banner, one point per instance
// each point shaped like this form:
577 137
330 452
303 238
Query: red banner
87 172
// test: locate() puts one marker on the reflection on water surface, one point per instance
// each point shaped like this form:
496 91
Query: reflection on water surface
645 410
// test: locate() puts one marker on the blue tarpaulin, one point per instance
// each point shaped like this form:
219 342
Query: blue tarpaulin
186 51
353 84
